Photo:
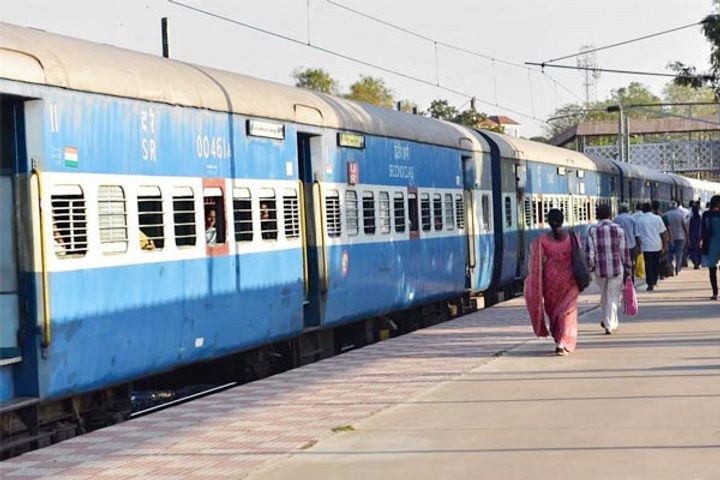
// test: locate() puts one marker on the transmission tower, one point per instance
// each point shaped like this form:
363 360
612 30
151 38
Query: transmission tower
588 62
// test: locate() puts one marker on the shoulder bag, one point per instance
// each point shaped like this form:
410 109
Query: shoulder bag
579 263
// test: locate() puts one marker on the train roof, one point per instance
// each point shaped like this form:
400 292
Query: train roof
703 185
635 171
34 56
522 149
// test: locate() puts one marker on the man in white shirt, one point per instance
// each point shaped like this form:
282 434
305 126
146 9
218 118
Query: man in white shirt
653 240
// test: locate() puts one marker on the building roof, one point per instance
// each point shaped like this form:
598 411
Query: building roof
636 127
502 120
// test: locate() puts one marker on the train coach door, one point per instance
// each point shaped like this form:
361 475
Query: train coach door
520 180
9 311
314 251
469 206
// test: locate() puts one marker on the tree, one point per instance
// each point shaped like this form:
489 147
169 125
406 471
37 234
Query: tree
315 79
675 93
442 109
688 75
635 93
371 90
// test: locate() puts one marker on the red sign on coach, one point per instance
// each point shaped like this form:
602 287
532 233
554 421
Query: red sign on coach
353 172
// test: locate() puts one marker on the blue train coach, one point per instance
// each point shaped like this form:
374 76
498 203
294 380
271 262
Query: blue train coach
157 214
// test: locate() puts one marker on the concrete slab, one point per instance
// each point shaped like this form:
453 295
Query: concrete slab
643 404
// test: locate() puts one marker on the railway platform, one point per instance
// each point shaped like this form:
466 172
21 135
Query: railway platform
475 397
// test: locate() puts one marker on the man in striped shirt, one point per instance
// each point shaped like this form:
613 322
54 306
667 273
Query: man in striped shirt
609 258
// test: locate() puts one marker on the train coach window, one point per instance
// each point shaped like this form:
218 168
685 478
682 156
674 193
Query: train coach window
425 212
449 218
588 211
384 212
333 213
214 208
508 212
399 208
485 202
352 218
459 212
291 213
527 206
184 217
242 214
437 211
150 218
69 221
413 212
268 214
112 219
368 208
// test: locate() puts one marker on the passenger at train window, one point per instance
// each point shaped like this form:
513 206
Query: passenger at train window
268 220
214 216
59 241
210 226
146 243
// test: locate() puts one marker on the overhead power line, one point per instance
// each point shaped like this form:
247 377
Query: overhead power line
445 44
625 42
611 70
352 59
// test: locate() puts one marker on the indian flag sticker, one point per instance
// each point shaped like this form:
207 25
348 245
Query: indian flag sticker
71 156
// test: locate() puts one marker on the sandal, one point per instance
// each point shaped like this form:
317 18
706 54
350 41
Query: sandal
561 351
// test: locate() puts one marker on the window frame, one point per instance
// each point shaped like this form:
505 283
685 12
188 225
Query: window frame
369 222
425 212
269 227
180 195
333 214
145 195
71 240
352 213
400 222
243 194
108 244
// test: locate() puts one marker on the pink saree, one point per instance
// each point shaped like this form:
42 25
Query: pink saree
550 288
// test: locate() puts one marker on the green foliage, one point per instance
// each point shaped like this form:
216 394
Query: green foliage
371 90
675 93
315 79
687 74
469 118
443 110
635 93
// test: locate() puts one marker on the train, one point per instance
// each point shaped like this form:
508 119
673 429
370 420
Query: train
158 214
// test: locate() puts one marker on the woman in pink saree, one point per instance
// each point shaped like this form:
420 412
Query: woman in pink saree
550 286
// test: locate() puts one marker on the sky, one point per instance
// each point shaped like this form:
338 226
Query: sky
514 31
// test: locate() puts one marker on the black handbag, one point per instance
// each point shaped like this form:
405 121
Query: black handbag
579 263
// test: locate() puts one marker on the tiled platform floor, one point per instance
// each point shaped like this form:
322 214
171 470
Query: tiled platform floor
235 432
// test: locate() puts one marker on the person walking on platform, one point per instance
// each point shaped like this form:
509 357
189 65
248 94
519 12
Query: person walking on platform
627 223
711 242
609 259
638 211
653 241
550 286
679 232
695 236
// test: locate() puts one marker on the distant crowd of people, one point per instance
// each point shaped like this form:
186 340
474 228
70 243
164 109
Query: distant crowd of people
660 242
